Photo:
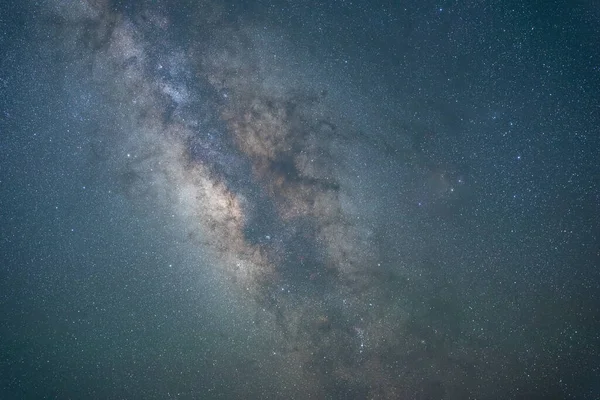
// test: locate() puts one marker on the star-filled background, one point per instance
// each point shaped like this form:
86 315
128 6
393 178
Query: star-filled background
299 199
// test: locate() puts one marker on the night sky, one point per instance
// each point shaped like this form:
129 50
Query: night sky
299 199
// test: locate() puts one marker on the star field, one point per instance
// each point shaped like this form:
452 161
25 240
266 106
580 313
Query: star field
308 200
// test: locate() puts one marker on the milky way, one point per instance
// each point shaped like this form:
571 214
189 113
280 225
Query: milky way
276 170
257 168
